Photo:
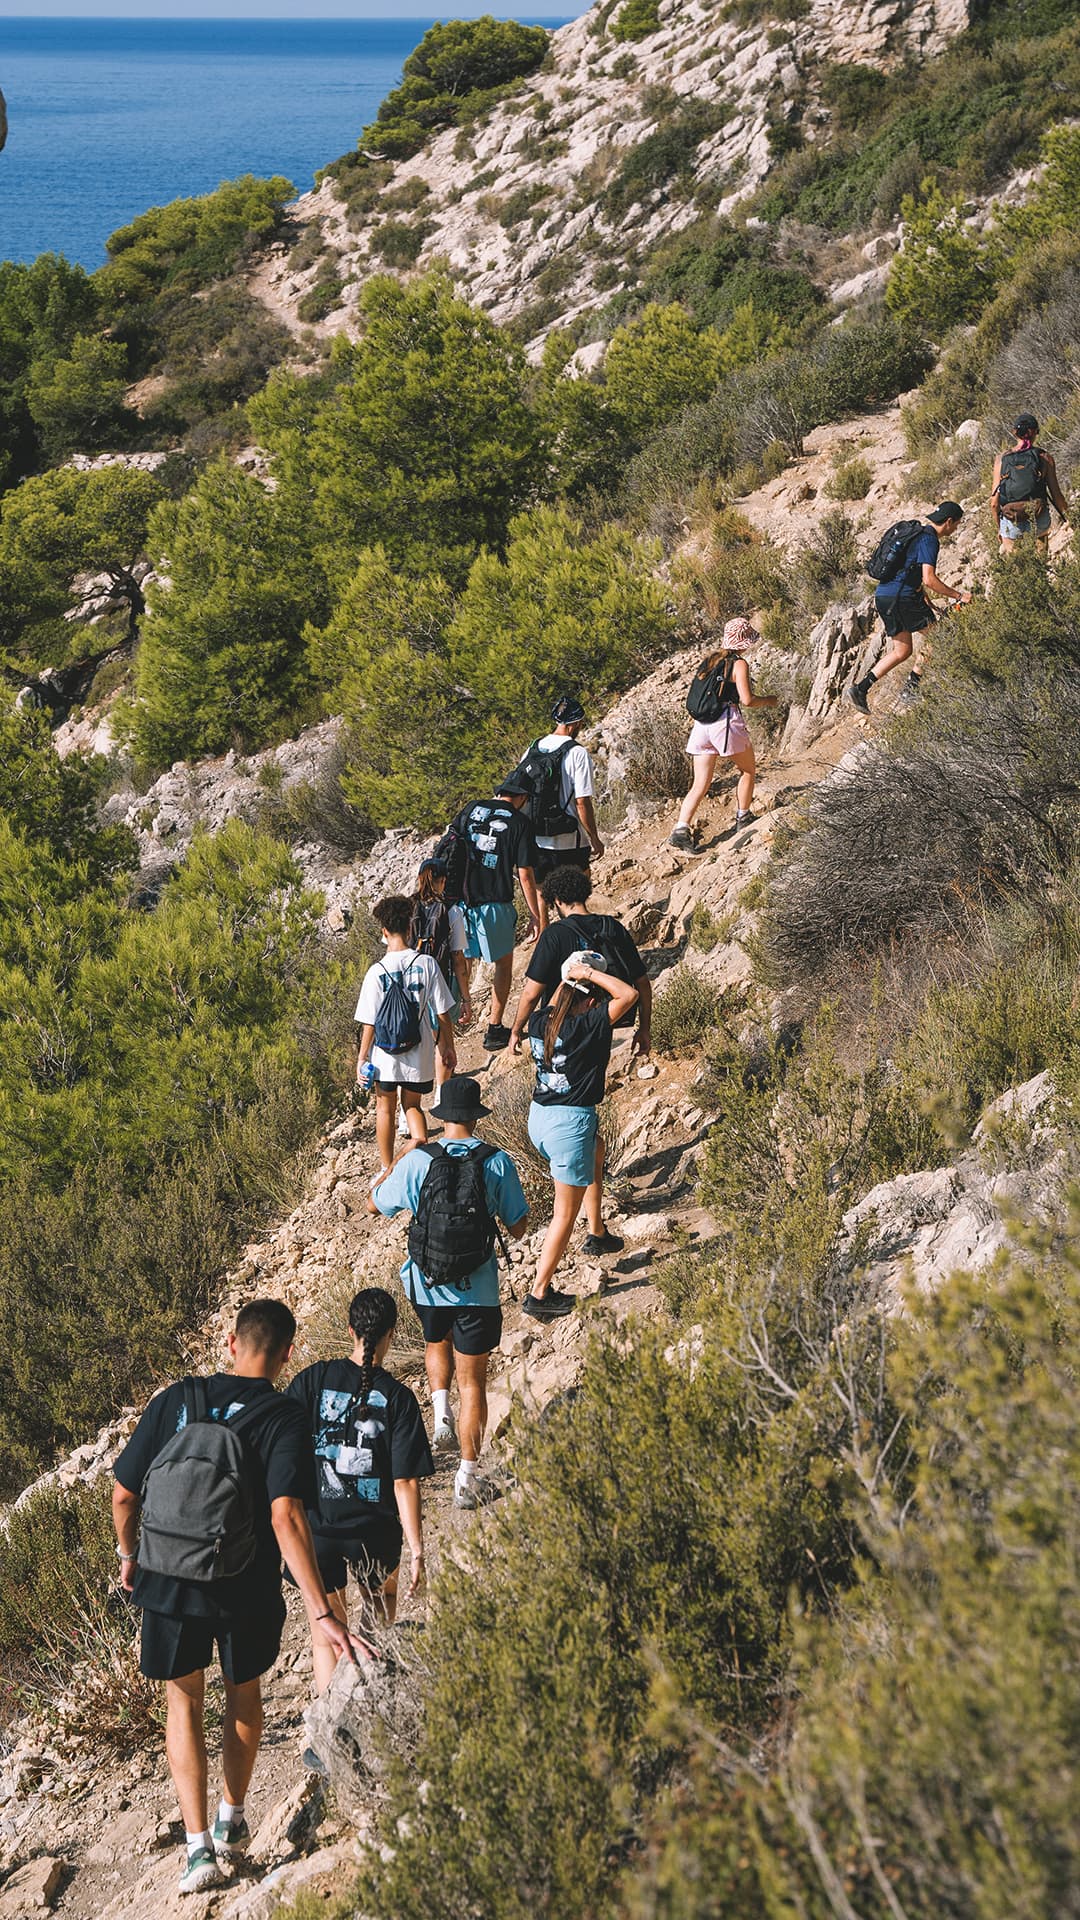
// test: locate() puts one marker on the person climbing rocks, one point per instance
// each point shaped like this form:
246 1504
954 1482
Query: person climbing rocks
1025 484
574 930
561 807
403 1014
371 1453
720 689
910 575
220 1473
487 843
570 1043
457 1192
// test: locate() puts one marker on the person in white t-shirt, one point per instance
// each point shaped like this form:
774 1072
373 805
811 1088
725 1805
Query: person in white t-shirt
412 1072
580 841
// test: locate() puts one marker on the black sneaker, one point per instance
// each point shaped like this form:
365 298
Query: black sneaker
857 695
682 839
602 1243
496 1038
553 1306
744 819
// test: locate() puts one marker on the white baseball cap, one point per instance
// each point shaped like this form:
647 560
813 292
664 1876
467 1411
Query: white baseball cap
585 959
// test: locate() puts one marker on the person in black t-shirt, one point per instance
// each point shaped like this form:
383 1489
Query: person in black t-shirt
566 892
499 843
245 1614
371 1453
570 1042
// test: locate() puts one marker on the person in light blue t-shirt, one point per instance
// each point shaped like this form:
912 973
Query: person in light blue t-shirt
468 1317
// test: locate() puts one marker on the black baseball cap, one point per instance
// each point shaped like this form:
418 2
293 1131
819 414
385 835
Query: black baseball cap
515 783
948 510
434 865
1026 424
567 711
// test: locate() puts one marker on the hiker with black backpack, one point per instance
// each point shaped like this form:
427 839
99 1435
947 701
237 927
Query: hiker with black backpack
904 563
484 846
458 1191
574 930
220 1472
403 1014
1025 483
438 928
561 807
371 1453
570 1042
719 690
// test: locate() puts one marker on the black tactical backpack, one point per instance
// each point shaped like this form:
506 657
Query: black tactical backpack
1023 479
712 689
543 768
888 556
453 1230
198 1497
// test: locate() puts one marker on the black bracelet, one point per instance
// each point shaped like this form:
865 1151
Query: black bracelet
326 1616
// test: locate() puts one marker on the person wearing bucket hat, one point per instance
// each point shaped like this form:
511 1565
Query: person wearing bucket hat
719 691
570 1042
561 807
1025 483
458 1191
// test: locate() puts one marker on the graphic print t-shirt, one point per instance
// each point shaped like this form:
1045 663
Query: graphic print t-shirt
359 1452
579 1061
282 1465
499 840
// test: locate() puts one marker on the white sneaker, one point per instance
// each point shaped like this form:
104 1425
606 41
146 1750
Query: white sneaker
402 1123
445 1435
201 1872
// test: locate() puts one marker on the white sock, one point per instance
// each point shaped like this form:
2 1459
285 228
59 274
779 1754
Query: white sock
440 1400
229 1813
466 1472
197 1840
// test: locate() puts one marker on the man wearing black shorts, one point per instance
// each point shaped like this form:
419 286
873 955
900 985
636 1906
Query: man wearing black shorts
903 603
244 1615
573 930
468 1317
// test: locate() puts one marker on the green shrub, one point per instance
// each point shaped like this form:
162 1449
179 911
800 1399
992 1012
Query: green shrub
636 19
685 1010
458 70
44 307
659 364
662 157
944 271
322 298
77 403
401 242
190 243
851 478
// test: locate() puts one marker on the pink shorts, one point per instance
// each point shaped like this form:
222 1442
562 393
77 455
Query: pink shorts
724 736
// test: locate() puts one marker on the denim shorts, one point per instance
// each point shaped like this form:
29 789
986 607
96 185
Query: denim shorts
490 931
566 1136
1016 529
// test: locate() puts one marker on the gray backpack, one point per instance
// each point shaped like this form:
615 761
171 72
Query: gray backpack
198 1501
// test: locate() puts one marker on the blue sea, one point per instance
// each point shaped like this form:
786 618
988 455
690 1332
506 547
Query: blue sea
109 117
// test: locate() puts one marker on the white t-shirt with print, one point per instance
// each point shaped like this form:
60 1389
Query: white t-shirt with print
423 981
577 784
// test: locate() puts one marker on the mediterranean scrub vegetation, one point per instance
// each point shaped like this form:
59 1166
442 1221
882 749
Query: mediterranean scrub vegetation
459 70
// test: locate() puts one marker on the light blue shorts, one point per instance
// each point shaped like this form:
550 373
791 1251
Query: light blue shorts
566 1136
1016 529
491 931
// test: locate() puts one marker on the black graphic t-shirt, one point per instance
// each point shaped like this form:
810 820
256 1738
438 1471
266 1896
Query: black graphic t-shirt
576 933
500 839
282 1465
579 1060
359 1454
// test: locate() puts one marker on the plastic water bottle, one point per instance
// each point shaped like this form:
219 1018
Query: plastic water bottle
365 1080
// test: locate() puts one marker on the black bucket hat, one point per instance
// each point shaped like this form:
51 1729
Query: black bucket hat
459 1100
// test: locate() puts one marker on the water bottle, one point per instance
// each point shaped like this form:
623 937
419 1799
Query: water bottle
365 1080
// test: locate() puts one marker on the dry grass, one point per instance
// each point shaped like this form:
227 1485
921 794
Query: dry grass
654 750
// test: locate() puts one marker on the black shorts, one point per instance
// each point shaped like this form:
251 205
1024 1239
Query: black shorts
474 1330
370 1556
176 1645
905 613
413 1086
549 858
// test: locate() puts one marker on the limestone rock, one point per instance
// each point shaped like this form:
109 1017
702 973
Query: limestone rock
322 1874
369 1707
31 1889
837 648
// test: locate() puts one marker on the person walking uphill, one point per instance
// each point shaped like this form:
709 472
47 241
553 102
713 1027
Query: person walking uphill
457 1192
561 808
905 565
371 1453
404 1005
221 1471
574 930
483 847
570 1042
1025 483
719 691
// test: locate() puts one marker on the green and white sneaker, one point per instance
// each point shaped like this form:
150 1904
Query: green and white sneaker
201 1872
230 1837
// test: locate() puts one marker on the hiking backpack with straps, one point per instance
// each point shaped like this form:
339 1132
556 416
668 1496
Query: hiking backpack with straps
543 768
1023 479
429 932
397 1023
198 1497
712 689
453 851
888 556
453 1230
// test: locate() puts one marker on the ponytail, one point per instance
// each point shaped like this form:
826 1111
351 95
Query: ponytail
372 1315
426 888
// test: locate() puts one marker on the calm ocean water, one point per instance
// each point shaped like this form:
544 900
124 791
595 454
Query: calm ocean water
109 117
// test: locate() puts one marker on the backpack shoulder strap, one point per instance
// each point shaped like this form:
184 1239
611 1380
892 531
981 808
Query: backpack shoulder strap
196 1400
247 1415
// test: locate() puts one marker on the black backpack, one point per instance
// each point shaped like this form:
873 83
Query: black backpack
887 559
198 1497
429 932
603 940
1023 478
397 1023
542 767
453 1229
453 851
712 689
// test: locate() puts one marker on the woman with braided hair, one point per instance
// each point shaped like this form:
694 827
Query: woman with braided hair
371 1453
